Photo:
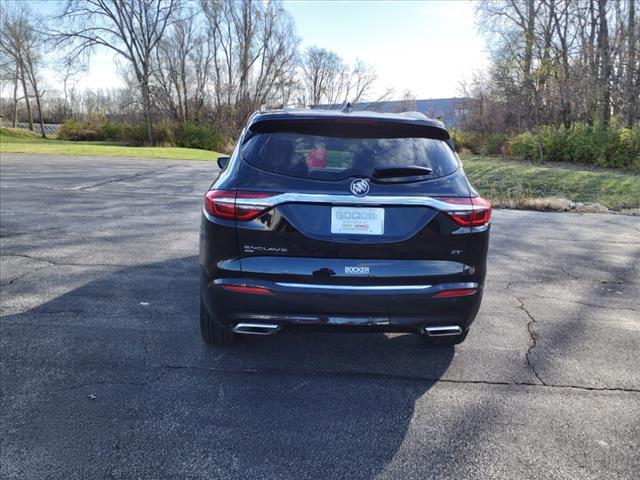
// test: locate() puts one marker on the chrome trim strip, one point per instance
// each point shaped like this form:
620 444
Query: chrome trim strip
353 287
348 200
324 320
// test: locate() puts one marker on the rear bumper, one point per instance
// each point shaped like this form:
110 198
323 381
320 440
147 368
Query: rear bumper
327 307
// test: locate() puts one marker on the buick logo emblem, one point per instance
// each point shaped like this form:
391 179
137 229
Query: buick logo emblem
359 187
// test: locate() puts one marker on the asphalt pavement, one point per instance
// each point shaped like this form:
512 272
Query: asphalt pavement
104 374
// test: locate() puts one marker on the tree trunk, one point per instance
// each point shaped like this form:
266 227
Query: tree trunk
26 99
528 59
34 83
146 105
605 65
183 79
591 104
15 98
43 134
632 92
536 119
565 96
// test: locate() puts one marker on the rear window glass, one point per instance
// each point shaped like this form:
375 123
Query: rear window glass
332 158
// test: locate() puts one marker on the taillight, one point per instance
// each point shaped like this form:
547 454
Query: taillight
478 217
232 205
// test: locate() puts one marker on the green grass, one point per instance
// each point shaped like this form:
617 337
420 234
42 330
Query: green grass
23 141
513 183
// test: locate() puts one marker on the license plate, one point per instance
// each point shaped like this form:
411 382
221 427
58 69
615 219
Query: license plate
363 221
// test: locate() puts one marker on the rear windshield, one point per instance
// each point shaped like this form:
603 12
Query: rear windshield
332 158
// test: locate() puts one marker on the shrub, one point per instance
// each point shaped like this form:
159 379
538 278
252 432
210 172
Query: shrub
77 131
555 144
624 151
585 143
111 131
493 144
191 135
524 146
163 134
471 141
612 147
134 134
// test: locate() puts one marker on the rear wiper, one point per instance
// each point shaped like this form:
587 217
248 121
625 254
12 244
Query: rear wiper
393 172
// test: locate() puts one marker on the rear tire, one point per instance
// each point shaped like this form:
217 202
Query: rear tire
445 341
212 332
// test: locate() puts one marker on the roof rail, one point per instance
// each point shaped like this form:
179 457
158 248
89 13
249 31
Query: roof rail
414 114
265 107
269 107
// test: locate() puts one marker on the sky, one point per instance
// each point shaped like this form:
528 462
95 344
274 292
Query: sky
426 47
423 46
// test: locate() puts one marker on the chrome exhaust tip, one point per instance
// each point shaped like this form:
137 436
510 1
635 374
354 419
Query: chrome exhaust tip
442 330
256 328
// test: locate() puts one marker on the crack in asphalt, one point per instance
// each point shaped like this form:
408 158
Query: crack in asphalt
595 305
400 377
119 179
534 340
88 384
29 257
15 279
553 267
167 369
567 273
69 264
156 194
616 224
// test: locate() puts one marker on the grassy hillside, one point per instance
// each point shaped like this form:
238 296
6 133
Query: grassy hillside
23 141
515 184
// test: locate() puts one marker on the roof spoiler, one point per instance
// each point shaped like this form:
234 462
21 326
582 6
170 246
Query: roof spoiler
353 127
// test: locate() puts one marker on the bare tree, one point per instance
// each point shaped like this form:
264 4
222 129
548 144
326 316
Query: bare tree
10 73
632 89
324 76
21 41
514 23
132 29
16 75
564 41
408 101
361 80
254 55
172 76
560 61
604 53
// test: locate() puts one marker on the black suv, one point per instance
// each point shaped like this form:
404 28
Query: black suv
342 221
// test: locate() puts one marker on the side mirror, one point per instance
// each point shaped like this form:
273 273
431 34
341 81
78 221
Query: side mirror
223 162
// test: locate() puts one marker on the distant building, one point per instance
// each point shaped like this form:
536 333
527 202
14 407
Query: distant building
452 111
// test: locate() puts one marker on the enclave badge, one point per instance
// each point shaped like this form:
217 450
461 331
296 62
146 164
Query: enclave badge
359 187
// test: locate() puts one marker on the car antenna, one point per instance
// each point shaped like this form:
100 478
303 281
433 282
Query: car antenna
346 107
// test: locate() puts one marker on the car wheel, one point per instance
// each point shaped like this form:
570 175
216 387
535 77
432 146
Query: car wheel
212 332
445 341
